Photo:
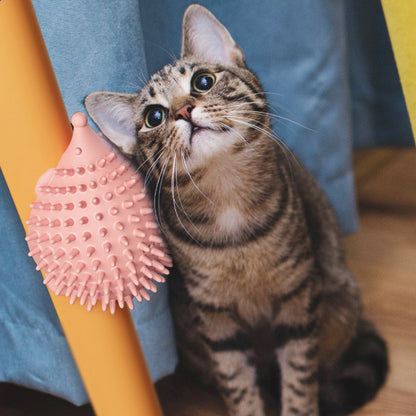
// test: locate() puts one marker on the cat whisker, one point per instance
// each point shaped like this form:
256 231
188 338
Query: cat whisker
157 194
236 108
286 151
275 106
168 52
255 124
185 165
290 157
152 167
142 80
273 114
242 104
274 117
175 204
183 209
176 188
235 131
147 160
259 94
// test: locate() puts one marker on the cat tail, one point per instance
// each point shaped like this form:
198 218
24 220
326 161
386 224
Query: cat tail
360 373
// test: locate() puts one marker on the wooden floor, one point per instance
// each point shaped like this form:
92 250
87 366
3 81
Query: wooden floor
383 257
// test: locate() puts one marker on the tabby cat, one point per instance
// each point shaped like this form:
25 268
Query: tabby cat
264 305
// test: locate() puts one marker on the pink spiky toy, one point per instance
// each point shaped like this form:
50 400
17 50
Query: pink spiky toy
92 229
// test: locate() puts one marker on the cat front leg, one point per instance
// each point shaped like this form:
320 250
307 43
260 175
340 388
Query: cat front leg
232 355
298 360
236 380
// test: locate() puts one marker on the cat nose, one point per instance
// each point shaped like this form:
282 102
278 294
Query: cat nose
184 113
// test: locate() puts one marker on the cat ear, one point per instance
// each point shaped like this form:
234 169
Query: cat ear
114 115
205 38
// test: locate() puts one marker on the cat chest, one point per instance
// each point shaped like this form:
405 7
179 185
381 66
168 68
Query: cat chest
223 276
230 220
245 277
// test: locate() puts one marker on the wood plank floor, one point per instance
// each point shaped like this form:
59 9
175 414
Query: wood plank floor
382 255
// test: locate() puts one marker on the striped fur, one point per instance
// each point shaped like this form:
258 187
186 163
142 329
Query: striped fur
264 305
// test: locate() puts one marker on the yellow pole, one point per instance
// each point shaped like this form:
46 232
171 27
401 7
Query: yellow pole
34 132
401 22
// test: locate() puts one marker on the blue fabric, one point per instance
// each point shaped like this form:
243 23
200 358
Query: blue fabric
378 108
94 45
328 70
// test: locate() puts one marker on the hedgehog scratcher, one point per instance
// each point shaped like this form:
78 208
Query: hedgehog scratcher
401 22
34 133
92 228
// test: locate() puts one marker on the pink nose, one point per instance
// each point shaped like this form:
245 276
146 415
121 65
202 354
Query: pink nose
184 113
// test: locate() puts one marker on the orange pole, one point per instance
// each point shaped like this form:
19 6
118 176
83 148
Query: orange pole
34 132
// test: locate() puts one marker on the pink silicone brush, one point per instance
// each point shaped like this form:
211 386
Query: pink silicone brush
92 229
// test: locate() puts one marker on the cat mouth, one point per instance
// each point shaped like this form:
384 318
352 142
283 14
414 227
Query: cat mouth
195 130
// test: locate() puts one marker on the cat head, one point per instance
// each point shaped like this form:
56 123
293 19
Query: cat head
192 111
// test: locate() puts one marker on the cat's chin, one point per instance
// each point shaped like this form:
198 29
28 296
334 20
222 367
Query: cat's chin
198 133
207 144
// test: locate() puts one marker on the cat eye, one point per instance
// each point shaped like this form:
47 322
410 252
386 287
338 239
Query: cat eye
154 116
203 82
